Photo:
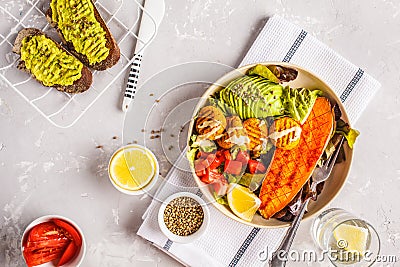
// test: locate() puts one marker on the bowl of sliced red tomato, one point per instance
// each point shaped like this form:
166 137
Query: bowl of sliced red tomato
53 240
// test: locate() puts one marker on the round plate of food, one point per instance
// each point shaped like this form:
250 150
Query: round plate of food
257 135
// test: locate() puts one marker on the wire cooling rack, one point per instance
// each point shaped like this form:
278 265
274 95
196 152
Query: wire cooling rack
59 108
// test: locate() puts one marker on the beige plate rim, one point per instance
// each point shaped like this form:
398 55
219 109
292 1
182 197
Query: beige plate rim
334 184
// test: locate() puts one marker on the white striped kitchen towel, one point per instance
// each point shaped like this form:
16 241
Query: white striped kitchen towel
226 242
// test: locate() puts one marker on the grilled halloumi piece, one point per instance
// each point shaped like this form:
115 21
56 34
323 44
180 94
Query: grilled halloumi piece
235 134
210 122
285 133
291 169
257 131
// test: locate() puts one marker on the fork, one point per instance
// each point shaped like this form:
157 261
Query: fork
279 257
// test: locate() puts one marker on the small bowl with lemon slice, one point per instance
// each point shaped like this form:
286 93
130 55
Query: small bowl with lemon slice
133 169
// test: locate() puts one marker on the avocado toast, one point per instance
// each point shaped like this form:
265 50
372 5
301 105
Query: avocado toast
49 63
84 32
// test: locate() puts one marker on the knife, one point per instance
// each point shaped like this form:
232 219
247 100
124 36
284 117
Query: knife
152 15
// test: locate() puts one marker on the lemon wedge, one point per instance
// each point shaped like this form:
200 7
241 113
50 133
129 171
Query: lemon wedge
132 168
351 238
242 202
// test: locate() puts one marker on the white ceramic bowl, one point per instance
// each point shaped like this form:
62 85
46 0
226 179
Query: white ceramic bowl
332 186
184 239
78 259
144 189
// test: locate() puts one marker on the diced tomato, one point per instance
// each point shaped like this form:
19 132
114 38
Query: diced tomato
211 177
202 155
214 175
228 158
243 157
227 155
201 173
210 159
220 154
76 237
256 167
200 167
216 163
233 167
69 254
206 178
220 186
204 162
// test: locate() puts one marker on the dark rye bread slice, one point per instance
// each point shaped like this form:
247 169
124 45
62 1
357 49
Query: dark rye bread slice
79 86
111 44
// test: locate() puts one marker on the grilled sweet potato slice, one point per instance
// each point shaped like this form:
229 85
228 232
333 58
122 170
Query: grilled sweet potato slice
235 134
210 122
291 169
258 132
285 133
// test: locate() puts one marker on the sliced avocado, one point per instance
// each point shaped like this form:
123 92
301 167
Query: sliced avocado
253 96
240 108
298 103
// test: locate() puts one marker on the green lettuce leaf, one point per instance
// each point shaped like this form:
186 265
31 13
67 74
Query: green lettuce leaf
204 145
207 146
350 134
263 71
191 155
192 141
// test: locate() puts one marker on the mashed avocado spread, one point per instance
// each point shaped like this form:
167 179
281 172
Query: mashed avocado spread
48 63
76 21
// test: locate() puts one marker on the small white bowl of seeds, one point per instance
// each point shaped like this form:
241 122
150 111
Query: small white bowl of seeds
183 217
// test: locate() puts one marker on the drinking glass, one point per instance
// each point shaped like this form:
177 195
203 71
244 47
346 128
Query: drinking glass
345 239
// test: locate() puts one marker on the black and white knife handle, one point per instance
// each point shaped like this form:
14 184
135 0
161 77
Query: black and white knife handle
131 85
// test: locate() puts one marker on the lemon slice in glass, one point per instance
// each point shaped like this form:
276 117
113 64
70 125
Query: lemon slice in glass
242 202
351 238
132 168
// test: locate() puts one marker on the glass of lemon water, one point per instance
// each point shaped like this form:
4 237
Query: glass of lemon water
345 239
133 169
